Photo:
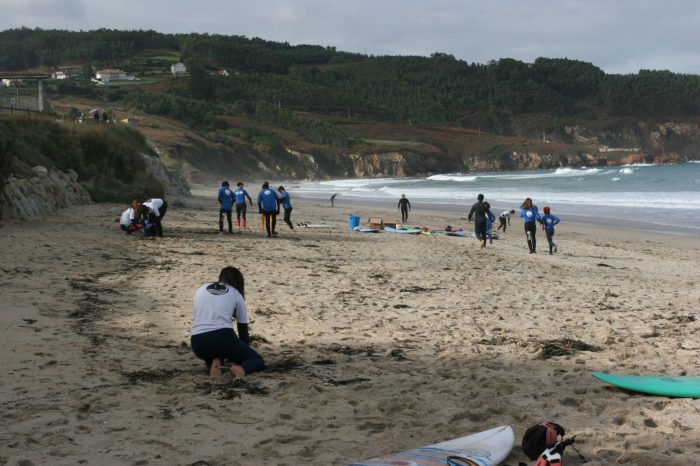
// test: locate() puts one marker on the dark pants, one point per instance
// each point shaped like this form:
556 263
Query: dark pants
502 224
240 211
270 221
225 344
531 228
228 218
480 230
550 239
404 215
288 217
158 226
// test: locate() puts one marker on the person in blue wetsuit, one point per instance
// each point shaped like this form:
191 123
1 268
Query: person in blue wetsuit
240 195
225 206
216 306
287 204
490 218
268 205
530 214
548 221
480 212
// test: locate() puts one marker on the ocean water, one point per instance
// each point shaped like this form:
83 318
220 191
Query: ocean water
662 196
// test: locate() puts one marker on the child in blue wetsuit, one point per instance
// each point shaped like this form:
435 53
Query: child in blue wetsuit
530 214
548 221
287 204
241 194
226 206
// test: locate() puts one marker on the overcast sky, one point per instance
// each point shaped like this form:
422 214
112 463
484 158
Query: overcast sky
620 36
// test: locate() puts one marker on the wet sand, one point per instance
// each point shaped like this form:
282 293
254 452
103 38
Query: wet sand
374 342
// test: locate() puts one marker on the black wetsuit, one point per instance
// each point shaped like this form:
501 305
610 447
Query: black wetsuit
404 205
479 211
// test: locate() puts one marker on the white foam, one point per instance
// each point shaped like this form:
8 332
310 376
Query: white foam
458 178
616 179
627 171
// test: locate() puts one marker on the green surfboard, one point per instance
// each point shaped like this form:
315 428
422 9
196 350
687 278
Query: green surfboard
681 386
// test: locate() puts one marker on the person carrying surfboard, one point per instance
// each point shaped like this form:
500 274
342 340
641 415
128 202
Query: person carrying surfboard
529 213
404 207
480 211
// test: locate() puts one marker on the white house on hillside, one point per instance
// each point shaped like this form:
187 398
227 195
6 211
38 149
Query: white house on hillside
60 74
178 69
109 74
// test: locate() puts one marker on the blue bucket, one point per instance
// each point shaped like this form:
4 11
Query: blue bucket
353 221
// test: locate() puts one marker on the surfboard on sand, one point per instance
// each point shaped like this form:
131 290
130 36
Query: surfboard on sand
461 234
678 386
487 448
365 230
400 230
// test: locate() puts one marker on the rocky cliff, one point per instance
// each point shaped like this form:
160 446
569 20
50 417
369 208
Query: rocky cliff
41 194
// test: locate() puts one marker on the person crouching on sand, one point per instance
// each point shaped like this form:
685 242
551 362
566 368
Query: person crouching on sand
216 305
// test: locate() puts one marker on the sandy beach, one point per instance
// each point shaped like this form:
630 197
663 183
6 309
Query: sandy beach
374 342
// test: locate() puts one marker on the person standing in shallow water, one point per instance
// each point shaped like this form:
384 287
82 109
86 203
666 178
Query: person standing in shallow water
404 207
213 339
529 213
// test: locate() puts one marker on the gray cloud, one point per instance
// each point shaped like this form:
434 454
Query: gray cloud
620 36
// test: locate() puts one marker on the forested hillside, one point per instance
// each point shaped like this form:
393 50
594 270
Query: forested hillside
321 95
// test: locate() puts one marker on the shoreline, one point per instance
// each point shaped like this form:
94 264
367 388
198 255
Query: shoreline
463 210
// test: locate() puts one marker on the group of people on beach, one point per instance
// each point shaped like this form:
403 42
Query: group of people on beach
483 219
217 305
269 203
144 217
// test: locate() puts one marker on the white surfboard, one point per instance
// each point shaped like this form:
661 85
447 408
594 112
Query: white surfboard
487 448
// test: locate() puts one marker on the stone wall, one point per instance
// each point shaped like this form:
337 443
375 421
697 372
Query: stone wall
41 194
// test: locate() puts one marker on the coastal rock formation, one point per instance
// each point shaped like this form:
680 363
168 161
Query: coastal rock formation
175 186
41 194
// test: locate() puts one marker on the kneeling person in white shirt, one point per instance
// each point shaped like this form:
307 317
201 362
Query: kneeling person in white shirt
216 305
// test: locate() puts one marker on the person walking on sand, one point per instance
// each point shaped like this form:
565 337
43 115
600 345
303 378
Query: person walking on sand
225 206
504 219
480 211
154 209
286 202
240 195
404 207
333 199
268 205
213 339
529 213
548 221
